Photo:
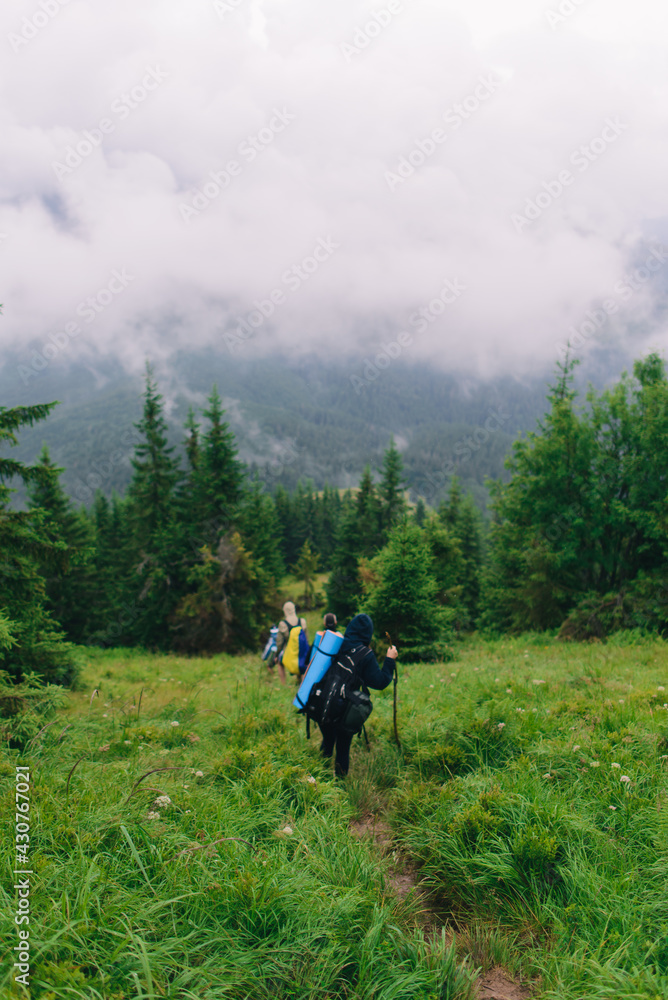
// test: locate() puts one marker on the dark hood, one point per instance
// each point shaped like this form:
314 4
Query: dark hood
358 633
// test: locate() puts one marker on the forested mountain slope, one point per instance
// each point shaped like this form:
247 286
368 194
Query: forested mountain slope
292 418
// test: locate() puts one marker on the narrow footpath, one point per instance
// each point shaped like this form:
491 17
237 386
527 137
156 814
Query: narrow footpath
493 984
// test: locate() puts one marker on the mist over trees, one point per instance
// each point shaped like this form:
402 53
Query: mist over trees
192 556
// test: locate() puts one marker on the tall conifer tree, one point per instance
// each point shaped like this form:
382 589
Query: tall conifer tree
32 640
70 578
402 599
391 490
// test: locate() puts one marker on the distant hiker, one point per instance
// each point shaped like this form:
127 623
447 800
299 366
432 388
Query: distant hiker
355 649
330 623
269 653
292 645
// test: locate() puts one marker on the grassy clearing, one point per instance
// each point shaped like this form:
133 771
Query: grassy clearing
129 899
515 804
561 879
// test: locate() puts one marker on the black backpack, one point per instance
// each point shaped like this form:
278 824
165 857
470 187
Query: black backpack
339 698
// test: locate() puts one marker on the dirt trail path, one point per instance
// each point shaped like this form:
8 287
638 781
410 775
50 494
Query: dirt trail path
495 984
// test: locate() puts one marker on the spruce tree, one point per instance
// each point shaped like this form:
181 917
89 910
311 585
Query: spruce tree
218 476
305 569
31 640
70 578
153 585
371 515
327 527
228 605
420 512
345 585
402 597
260 531
462 519
156 472
116 605
391 490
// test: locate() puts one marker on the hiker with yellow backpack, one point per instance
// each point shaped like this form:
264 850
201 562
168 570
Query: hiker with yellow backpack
292 645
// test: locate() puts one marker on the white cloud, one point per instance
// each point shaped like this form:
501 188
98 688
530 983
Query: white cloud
324 175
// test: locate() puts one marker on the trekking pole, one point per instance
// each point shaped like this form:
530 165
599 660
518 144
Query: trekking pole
394 699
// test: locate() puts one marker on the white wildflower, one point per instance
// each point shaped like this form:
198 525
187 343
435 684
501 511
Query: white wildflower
537 682
614 808
625 778
311 780
547 775
105 715
128 742
431 685
615 765
175 723
162 801
509 690
501 725
199 774
153 815
287 830
660 688
595 763
621 701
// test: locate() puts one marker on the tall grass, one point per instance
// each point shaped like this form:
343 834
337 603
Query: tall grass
249 884
514 804
209 858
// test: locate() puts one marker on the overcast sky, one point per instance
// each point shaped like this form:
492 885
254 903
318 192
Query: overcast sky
494 163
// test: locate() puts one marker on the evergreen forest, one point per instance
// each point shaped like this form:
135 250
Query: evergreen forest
192 556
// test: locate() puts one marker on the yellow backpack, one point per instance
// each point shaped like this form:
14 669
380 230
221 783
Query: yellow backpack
291 652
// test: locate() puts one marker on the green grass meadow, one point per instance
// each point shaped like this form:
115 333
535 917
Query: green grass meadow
231 869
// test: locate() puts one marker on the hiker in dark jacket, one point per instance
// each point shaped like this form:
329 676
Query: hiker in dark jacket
358 633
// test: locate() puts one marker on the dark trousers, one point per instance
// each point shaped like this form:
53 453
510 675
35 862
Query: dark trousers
331 736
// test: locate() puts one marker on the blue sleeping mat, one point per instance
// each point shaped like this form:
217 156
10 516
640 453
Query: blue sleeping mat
327 647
